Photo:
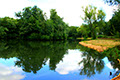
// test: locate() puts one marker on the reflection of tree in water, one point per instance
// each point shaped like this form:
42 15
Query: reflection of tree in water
113 54
8 50
92 62
31 56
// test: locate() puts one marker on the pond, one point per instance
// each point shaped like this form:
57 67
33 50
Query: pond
59 60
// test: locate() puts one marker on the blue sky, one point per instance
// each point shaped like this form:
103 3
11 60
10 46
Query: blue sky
70 10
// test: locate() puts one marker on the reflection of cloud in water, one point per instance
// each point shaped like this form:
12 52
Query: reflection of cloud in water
85 79
106 61
10 73
70 62
109 65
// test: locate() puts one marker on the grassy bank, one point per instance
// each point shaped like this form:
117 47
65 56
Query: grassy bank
101 44
83 38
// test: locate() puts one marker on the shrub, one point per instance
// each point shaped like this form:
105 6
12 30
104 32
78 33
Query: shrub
34 36
45 37
102 36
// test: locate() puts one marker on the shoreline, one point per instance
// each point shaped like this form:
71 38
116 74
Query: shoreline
100 45
97 48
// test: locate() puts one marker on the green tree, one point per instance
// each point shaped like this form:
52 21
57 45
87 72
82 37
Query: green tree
60 27
92 17
84 29
35 25
49 30
115 24
32 21
3 33
73 32
8 27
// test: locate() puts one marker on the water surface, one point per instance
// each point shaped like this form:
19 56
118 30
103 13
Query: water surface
59 60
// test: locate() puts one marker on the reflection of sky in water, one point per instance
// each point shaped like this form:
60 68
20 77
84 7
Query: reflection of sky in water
67 69
108 63
70 62
8 71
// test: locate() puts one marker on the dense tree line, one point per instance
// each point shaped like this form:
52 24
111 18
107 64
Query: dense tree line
32 24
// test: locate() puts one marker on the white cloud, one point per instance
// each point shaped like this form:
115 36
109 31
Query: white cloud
9 7
10 73
70 62
107 9
69 9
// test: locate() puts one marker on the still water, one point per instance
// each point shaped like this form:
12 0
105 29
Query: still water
59 60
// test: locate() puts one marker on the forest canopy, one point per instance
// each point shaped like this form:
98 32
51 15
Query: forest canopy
32 24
